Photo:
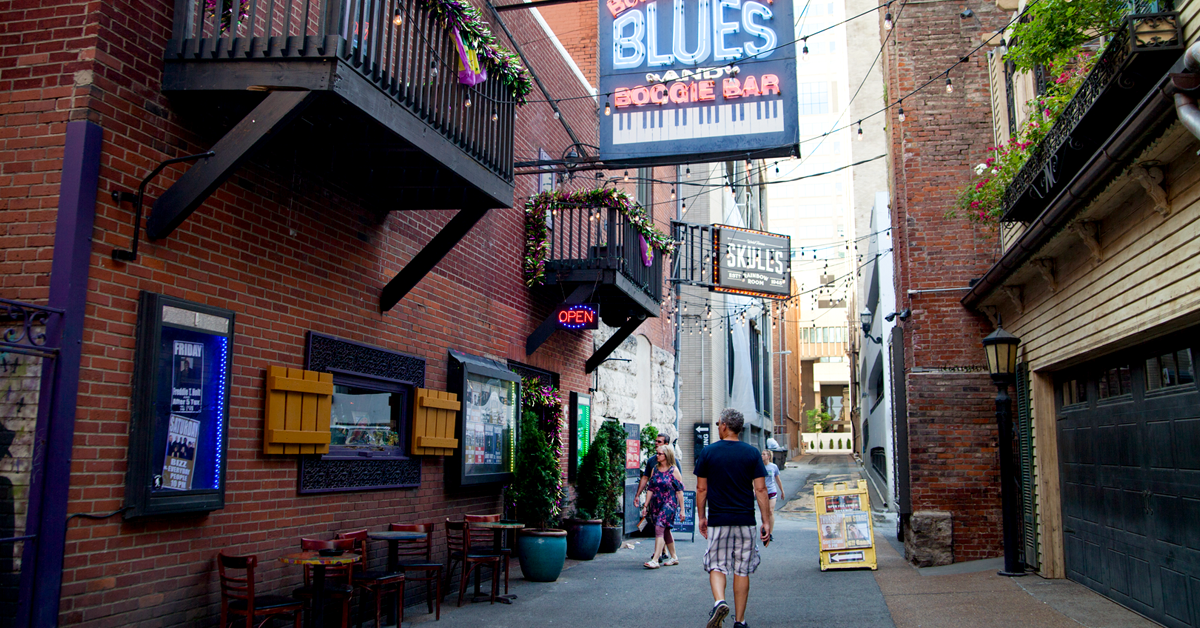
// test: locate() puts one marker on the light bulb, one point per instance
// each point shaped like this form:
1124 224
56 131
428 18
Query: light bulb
860 133
626 176
901 113
495 116
887 21
467 101
556 115
672 193
688 173
949 86
433 68
397 18
685 206
607 109
804 51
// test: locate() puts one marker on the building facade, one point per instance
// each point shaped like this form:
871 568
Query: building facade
341 228
1099 286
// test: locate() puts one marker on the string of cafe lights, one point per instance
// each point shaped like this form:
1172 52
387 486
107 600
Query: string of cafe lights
710 322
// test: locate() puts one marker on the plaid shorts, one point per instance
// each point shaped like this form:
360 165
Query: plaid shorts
732 549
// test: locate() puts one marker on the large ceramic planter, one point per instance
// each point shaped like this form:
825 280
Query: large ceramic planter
583 538
610 539
542 553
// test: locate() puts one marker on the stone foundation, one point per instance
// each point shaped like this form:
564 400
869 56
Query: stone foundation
929 538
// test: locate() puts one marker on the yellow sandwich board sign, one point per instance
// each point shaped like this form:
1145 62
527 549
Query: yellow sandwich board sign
844 526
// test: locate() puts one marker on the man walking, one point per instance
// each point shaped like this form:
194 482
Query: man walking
730 477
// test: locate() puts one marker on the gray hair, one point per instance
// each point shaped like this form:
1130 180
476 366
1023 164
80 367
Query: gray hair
733 420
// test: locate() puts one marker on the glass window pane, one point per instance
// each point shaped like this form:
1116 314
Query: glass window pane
1103 384
490 415
1080 391
364 418
1170 373
1125 379
1186 374
1153 376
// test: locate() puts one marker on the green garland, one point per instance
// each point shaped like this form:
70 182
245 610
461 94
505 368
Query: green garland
537 233
503 64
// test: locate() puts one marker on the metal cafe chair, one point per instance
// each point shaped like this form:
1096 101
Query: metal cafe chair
485 540
416 555
239 599
375 581
337 578
459 549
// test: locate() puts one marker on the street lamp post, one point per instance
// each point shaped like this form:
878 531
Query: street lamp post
1001 350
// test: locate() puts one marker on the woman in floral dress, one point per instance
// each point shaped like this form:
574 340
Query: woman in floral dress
666 501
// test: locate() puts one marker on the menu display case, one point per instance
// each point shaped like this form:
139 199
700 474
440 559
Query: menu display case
180 407
491 405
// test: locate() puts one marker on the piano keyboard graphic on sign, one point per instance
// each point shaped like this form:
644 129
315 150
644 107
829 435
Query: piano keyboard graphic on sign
658 125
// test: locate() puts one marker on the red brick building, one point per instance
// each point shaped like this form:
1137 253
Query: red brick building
949 499
297 242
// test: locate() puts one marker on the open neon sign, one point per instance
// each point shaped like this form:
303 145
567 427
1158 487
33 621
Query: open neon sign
578 316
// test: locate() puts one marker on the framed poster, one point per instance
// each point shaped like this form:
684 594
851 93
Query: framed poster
580 432
491 403
180 407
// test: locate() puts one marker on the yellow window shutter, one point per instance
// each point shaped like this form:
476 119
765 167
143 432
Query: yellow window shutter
434 418
299 404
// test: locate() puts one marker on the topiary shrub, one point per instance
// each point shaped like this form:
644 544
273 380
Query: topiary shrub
535 487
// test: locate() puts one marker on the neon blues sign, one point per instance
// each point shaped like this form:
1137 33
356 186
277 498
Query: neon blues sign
578 316
704 79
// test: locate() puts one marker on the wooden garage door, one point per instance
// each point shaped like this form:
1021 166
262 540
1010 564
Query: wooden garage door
1129 449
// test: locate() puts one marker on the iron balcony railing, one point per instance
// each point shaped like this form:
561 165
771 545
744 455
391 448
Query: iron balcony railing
399 47
1145 47
599 239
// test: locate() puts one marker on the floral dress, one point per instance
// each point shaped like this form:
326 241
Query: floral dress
664 507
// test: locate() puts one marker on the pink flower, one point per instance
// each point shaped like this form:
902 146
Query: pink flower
982 215
982 182
974 204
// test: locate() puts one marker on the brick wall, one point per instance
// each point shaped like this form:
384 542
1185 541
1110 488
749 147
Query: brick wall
952 434
284 249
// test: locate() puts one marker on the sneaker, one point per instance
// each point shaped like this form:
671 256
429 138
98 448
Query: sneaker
652 564
740 624
670 562
717 615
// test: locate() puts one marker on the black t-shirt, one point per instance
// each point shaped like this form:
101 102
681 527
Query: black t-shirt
731 468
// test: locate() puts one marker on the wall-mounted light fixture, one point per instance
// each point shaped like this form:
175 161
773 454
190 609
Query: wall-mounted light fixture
866 317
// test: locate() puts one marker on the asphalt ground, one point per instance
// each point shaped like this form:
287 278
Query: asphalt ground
788 589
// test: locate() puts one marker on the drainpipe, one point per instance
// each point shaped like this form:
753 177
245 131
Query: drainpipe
1185 104
678 288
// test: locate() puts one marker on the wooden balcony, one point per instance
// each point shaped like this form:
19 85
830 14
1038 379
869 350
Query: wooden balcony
386 117
597 256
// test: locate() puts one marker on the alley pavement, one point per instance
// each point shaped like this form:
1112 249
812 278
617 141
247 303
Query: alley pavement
789 589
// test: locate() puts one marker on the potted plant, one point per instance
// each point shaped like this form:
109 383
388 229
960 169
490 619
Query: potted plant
612 438
583 530
541 549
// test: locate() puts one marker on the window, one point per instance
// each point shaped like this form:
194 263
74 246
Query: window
814 98
1115 382
1074 391
1169 370
368 417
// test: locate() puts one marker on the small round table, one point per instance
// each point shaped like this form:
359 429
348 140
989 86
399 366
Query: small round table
319 563
393 540
498 529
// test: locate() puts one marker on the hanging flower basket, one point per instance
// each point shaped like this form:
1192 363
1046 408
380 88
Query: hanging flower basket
537 232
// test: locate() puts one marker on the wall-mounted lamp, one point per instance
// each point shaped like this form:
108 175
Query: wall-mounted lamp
865 317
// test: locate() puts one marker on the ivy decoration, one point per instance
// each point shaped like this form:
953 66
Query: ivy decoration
501 63
537 232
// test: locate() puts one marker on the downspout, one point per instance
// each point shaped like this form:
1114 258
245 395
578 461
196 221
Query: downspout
678 317
1185 104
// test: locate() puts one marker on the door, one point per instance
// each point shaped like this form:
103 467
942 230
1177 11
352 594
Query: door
1129 449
